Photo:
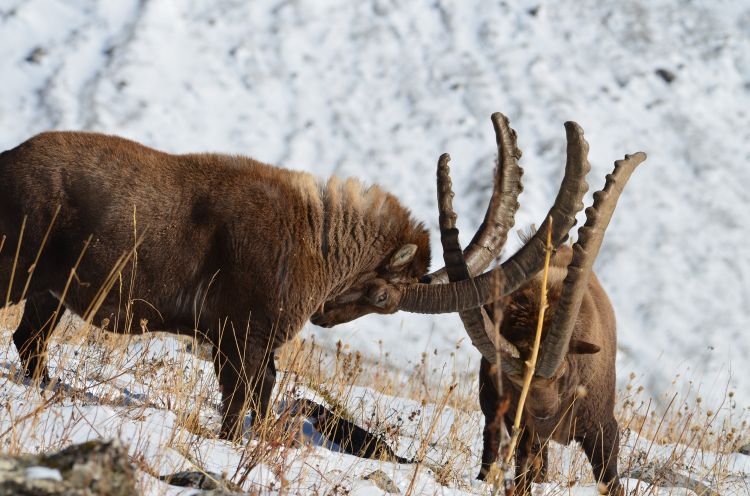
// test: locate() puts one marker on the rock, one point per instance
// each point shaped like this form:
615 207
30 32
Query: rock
201 480
663 475
94 467
36 55
667 75
383 482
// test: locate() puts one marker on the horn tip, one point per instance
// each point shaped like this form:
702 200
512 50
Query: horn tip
573 127
577 144
637 156
631 160
497 117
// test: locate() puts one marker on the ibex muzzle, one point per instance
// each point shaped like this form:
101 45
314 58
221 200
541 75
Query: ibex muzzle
572 395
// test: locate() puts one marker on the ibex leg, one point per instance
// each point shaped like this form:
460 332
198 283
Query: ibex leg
489 402
246 380
601 448
37 323
531 461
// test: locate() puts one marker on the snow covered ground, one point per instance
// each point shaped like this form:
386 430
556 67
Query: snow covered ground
378 89
162 402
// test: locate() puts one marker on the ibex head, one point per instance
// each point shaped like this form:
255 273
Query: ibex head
376 291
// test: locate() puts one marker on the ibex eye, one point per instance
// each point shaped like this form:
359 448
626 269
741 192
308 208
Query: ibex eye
382 297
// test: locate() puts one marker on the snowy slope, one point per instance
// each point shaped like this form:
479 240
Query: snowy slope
379 89
146 392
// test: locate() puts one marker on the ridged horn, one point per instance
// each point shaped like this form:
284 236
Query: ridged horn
529 260
478 325
585 250
499 218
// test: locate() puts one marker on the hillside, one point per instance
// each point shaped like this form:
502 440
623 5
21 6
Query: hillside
379 89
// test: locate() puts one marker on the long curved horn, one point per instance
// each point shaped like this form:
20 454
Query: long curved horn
530 258
521 267
585 250
479 327
492 234
452 296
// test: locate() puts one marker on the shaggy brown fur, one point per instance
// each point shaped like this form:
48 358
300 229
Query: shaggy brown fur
236 251
576 405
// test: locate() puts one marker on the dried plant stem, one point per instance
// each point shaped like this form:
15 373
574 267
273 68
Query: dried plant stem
20 420
425 443
113 276
15 261
39 253
500 475
531 362
71 275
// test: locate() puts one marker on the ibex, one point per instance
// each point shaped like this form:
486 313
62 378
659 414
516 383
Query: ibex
225 248
573 392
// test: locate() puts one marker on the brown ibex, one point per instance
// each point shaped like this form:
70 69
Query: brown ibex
231 250
572 395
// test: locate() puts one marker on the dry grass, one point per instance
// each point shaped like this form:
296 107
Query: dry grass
144 383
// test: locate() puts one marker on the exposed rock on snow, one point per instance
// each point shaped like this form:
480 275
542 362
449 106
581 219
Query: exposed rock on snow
95 467
347 435
383 482
207 481
664 475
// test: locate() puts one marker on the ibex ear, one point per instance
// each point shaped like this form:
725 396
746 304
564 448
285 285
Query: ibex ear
403 256
582 348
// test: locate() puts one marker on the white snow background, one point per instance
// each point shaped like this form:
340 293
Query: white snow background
378 89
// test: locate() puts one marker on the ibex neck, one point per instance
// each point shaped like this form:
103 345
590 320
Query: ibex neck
359 225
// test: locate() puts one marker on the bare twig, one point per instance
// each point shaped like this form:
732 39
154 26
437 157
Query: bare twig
15 261
423 448
531 362
39 253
